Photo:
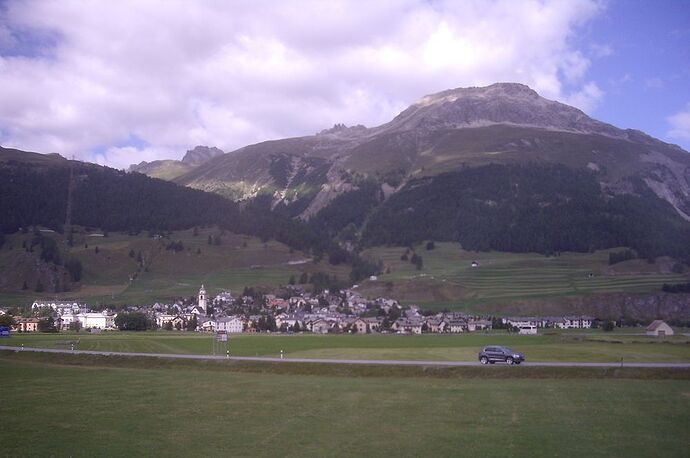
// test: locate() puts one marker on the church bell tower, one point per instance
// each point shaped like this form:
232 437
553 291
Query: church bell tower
202 298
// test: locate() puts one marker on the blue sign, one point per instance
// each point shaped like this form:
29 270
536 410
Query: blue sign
4 332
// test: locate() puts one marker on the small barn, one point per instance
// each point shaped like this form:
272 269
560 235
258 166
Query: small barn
659 328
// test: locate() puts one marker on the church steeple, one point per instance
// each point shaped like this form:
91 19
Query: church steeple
202 298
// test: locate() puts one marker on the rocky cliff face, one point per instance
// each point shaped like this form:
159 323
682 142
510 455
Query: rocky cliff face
201 154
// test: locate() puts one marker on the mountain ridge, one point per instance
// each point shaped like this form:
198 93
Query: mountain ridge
169 169
501 123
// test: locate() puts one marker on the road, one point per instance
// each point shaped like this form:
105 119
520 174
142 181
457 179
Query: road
385 362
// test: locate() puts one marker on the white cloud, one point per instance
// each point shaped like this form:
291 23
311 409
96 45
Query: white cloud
587 98
175 74
654 83
680 124
600 50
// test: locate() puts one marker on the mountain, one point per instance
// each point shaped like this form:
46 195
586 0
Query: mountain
504 123
168 169
201 154
493 168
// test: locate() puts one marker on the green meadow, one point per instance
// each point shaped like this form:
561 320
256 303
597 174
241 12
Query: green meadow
557 346
150 408
448 279
112 276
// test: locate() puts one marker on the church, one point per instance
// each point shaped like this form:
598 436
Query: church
201 307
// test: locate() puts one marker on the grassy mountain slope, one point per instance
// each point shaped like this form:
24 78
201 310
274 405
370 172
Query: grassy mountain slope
113 275
166 169
525 283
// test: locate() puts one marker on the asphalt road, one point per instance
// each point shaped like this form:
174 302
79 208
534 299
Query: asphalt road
385 362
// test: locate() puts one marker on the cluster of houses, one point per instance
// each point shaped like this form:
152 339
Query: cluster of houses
300 311
321 314
529 325
68 313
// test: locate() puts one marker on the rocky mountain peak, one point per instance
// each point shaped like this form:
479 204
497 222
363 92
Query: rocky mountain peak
500 103
497 90
201 154
343 130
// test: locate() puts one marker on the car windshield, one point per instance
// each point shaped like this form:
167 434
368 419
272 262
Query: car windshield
508 350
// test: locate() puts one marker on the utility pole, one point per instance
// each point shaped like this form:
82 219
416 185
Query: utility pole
70 192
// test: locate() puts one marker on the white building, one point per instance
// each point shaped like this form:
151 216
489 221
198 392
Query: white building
230 324
659 328
96 320
527 329
60 307
202 299
224 297
206 325
575 322
164 318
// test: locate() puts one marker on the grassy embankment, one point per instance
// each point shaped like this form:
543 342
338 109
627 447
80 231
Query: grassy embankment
565 346
132 407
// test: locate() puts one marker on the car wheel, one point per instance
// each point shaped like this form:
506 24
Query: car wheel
509 360
484 360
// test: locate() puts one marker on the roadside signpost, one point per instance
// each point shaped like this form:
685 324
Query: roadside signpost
4 331
220 344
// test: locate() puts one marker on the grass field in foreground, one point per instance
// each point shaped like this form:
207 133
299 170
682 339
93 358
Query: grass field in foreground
563 346
50 410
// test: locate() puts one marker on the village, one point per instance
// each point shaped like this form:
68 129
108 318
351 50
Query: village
299 311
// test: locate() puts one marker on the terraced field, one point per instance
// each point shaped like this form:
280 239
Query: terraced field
448 274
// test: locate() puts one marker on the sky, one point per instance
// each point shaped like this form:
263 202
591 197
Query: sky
120 82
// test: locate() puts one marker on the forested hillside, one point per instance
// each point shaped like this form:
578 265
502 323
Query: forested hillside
113 200
530 208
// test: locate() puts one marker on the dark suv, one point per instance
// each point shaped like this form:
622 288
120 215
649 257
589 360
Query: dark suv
490 355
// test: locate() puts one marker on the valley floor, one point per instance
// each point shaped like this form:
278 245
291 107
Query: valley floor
63 409
572 346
